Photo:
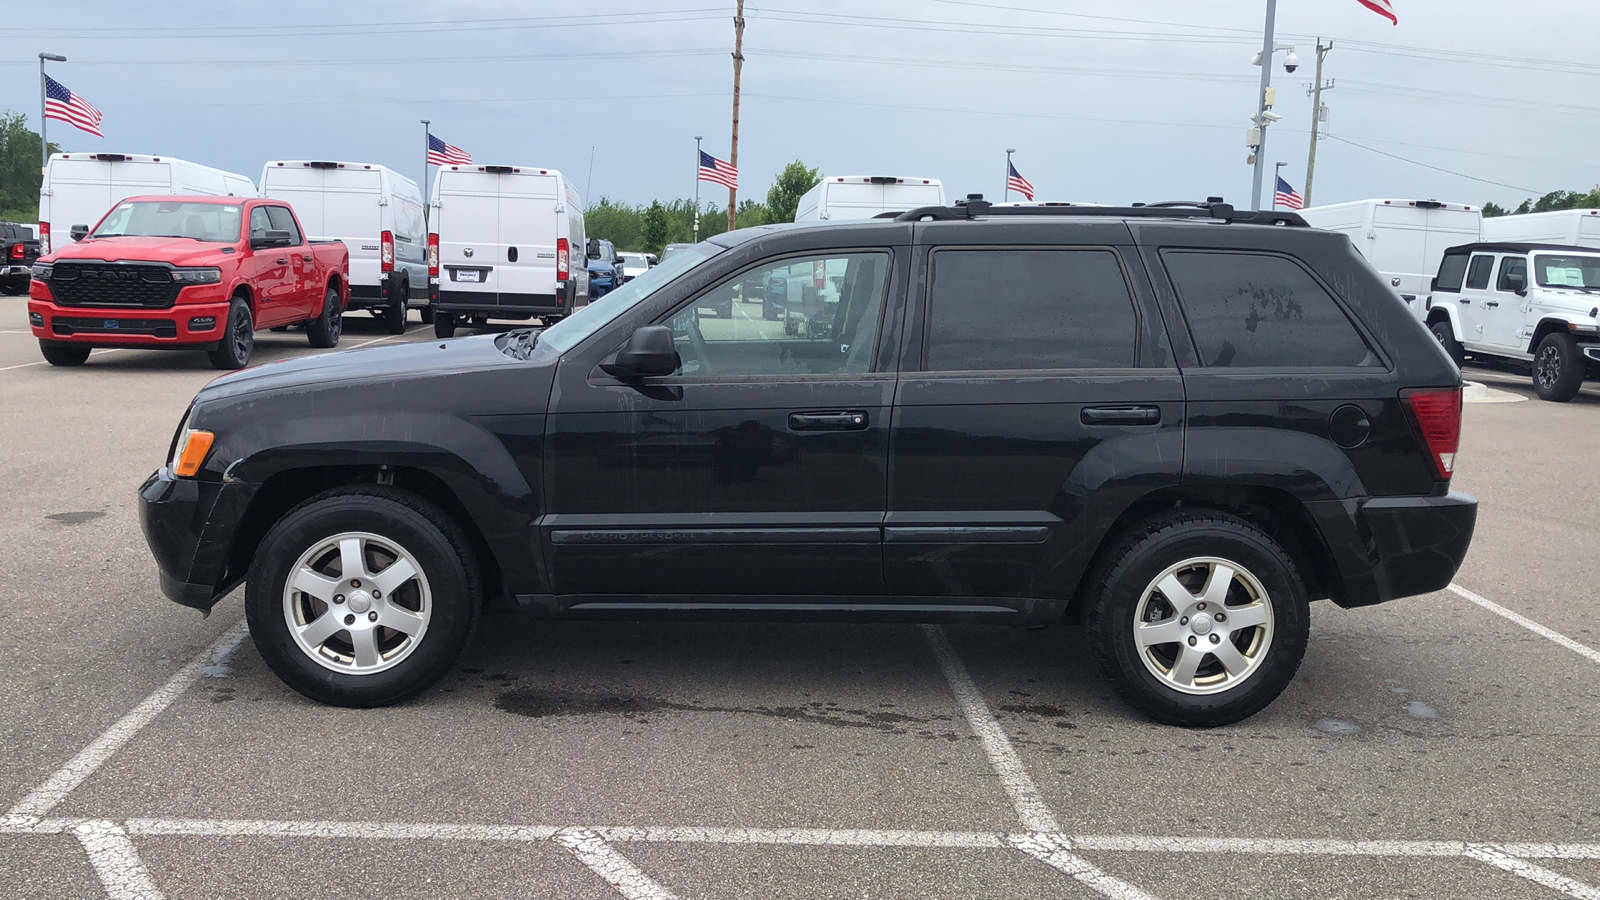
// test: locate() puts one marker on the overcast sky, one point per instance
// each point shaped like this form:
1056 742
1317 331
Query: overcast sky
1108 102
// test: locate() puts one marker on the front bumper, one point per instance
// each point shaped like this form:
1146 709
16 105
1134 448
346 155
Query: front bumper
1391 547
107 326
190 526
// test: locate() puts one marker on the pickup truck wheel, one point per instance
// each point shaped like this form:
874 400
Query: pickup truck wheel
1557 368
1199 619
362 596
1446 336
63 354
394 315
238 338
323 331
444 325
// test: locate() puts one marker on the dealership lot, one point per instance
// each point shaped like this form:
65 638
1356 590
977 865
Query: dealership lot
1434 746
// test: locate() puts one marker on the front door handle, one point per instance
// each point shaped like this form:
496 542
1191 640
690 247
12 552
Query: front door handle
283 262
833 420
1466 300
1491 303
306 258
1120 415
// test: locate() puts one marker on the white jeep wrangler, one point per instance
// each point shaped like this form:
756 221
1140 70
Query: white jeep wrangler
1530 303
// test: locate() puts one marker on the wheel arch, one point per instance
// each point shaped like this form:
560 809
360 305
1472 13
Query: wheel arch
1547 326
1445 314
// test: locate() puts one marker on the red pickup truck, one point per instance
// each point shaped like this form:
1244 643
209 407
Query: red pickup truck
190 273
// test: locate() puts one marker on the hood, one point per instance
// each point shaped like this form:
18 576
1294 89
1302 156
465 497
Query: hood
599 265
178 251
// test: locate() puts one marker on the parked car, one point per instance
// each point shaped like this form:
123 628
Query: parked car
1403 239
1097 438
635 264
78 188
1572 227
190 273
1522 303
502 244
605 267
843 197
670 249
377 213
18 250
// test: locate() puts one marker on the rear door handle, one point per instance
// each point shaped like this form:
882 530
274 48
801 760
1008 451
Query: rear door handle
283 262
837 420
306 258
1120 415
1466 300
1491 303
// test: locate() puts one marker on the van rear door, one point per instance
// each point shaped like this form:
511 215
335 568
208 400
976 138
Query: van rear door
525 258
469 230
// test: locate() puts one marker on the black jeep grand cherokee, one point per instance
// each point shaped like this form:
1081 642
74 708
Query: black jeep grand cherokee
1178 425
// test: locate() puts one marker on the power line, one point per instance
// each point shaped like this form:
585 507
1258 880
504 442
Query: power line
1334 137
307 63
436 26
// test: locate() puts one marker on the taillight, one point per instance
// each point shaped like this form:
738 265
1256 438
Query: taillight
433 256
386 251
1436 413
563 259
18 251
44 238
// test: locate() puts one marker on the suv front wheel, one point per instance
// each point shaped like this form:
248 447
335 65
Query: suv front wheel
1199 619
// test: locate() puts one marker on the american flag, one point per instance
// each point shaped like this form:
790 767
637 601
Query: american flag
720 171
442 154
1015 182
62 104
1287 197
1381 7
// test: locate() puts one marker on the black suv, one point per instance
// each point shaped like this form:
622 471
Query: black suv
1177 426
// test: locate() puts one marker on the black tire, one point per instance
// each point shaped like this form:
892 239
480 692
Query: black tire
394 315
427 315
323 332
447 571
64 354
278 329
238 338
1270 653
444 325
1446 336
1557 368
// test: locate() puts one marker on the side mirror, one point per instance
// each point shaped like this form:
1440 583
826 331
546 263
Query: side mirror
649 351
79 232
592 249
1433 284
1518 282
270 239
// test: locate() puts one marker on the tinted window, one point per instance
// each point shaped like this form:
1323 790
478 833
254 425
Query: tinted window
283 220
812 315
1029 309
259 223
1512 265
1254 310
1451 271
1478 273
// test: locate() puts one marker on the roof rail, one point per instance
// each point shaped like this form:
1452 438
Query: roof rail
975 206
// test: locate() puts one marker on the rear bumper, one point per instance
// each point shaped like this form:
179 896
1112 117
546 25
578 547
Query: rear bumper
492 304
184 324
189 526
1391 547
15 270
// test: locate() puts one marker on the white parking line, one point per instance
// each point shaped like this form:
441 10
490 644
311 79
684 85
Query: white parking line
46 363
115 861
1054 850
386 831
604 860
809 837
55 788
1537 874
1583 650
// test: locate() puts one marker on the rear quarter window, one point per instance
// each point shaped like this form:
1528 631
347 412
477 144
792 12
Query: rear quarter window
1257 310
1452 271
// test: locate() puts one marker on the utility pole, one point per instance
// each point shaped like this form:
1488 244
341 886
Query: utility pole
588 181
738 67
427 139
44 142
1261 105
1009 151
697 139
1316 117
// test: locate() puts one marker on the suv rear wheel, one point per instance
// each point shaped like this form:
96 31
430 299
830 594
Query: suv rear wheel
1557 368
1199 619
362 596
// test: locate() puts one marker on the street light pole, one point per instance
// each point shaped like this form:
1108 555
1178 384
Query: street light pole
697 140
1261 105
1009 151
44 141
427 139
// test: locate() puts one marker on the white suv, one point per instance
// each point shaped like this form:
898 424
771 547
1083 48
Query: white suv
1532 303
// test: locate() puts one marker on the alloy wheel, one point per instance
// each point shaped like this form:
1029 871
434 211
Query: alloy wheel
1547 368
357 603
1203 626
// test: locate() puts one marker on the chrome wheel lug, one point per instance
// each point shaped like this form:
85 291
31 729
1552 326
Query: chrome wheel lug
377 593
1201 606
1220 617
1183 620
1191 640
356 582
1216 639
373 617
351 620
338 598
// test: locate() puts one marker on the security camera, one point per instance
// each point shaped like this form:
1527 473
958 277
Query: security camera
1291 62
1270 116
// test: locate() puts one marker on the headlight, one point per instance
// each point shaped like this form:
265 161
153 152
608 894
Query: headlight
202 275
189 448
40 271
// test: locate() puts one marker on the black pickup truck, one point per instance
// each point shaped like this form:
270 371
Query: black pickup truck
1177 426
18 250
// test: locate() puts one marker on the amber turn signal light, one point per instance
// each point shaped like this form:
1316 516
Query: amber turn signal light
195 447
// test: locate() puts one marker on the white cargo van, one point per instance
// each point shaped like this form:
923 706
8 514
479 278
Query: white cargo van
1573 227
377 213
839 197
507 242
1403 239
80 188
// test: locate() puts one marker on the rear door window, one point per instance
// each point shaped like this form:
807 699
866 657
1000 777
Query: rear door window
1452 271
1029 309
1255 310
1478 273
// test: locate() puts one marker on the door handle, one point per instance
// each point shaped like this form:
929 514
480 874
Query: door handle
1491 303
1120 415
1465 300
840 420
306 258
283 262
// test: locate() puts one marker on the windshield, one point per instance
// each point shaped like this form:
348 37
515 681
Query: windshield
1567 270
172 218
569 332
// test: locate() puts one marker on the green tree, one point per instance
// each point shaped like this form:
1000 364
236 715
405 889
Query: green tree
20 175
653 230
1550 202
787 189
1492 209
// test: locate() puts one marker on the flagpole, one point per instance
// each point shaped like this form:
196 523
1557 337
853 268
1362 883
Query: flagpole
1009 151
426 140
697 139
44 140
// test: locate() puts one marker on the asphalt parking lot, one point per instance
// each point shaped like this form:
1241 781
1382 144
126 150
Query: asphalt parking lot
1437 746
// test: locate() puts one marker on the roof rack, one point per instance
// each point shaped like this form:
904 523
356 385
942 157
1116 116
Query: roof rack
1211 208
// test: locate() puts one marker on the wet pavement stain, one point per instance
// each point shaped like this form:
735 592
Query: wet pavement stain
76 518
1421 710
1337 727
547 704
